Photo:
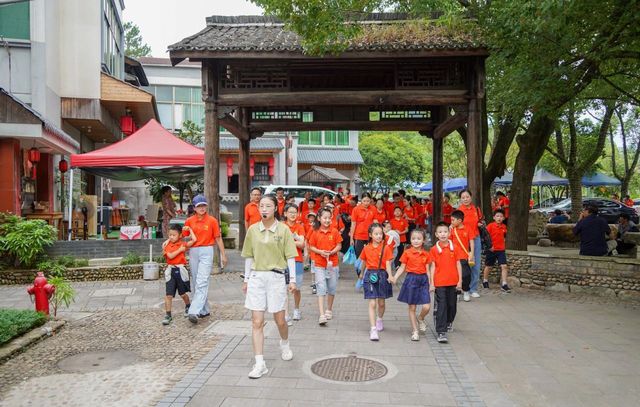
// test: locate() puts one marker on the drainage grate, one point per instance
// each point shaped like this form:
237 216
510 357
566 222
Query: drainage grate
349 369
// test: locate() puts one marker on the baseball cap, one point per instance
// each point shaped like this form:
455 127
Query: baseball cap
199 200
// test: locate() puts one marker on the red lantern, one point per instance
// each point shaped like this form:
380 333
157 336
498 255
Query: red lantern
34 155
229 167
271 166
63 166
252 164
127 126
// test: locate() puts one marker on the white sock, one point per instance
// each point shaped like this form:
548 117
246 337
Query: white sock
259 359
485 281
379 319
504 283
374 328
284 343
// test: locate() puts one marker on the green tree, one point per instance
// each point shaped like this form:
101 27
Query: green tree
389 161
133 44
628 121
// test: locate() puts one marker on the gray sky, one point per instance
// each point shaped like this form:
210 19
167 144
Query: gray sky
164 22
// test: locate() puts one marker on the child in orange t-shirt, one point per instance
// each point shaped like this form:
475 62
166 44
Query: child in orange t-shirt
400 225
415 288
376 258
497 230
447 280
290 212
460 239
324 244
176 275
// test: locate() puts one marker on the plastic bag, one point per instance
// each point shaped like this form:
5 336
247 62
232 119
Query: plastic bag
350 256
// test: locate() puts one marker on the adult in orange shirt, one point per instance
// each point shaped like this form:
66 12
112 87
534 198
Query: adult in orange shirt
447 280
336 218
401 226
498 231
324 244
460 239
281 201
298 231
447 209
388 206
379 213
361 219
251 211
207 231
473 218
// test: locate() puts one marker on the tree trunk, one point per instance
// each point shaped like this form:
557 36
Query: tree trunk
575 192
532 145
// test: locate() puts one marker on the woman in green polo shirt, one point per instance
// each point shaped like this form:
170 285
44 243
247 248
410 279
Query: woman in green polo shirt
269 251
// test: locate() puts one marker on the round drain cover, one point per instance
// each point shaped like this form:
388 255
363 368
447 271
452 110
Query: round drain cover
349 369
96 361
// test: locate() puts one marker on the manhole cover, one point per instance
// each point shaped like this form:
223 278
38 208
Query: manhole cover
349 369
96 361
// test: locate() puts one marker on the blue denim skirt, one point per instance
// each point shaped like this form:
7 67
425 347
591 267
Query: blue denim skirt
415 289
380 289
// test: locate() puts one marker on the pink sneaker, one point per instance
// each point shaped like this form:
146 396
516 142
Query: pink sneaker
379 325
373 335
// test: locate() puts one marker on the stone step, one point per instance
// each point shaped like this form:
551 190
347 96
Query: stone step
109 261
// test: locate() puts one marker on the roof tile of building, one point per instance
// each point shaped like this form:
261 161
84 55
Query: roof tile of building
329 156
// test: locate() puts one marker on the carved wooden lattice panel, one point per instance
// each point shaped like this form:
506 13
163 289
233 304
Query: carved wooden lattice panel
250 77
432 75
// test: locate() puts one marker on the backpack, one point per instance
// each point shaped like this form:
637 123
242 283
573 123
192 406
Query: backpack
485 237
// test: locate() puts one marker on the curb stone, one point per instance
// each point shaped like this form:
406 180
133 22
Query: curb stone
22 342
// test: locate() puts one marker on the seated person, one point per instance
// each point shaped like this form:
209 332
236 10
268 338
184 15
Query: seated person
559 217
593 231
624 225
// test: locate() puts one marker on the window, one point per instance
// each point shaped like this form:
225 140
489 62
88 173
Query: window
14 21
331 138
179 103
112 40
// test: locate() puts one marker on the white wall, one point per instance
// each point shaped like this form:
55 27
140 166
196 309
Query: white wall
80 48
17 77
173 76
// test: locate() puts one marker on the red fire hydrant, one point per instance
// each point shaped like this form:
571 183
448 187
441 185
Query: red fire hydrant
43 291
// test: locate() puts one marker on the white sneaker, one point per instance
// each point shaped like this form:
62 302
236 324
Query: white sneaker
422 325
328 315
289 321
466 296
286 352
296 315
322 320
414 336
258 370
475 295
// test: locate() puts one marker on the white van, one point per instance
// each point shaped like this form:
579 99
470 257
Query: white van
298 191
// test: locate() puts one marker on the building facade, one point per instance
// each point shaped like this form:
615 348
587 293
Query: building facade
64 87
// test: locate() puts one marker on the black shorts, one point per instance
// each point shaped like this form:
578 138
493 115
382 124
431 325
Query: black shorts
176 283
499 256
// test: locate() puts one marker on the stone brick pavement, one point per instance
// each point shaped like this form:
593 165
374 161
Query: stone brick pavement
527 348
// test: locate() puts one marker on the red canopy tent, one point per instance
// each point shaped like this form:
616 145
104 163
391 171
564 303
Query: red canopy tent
152 151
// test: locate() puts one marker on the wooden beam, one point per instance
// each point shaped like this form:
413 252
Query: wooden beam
409 97
437 181
211 143
450 124
244 184
475 163
235 127
424 125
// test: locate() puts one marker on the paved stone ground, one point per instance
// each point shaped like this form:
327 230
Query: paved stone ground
527 348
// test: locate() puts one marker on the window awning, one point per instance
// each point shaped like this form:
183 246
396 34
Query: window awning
322 174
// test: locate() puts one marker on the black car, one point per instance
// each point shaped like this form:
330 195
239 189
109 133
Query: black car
607 208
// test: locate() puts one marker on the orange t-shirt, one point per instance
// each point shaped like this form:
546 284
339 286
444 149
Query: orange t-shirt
281 205
503 202
460 238
447 210
415 260
336 221
400 225
363 217
252 213
420 216
371 256
388 208
497 231
298 229
379 216
471 219
172 247
410 213
628 202
324 240
446 265
207 229
532 203
429 208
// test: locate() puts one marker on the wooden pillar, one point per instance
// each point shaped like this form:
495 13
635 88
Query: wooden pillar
437 180
244 184
475 163
211 138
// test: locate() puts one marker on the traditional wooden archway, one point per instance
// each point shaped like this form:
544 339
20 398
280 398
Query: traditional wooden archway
256 79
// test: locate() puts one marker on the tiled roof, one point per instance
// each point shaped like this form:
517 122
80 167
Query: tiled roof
261 143
329 156
328 174
267 34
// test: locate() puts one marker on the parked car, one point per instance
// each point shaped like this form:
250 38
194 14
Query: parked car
547 203
607 208
636 205
298 191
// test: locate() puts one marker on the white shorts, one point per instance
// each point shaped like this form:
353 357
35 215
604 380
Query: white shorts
266 291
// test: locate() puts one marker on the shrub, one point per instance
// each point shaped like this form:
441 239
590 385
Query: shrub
64 293
224 228
81 263
52 268
67 260
14 322
131 258
160 259
25 240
